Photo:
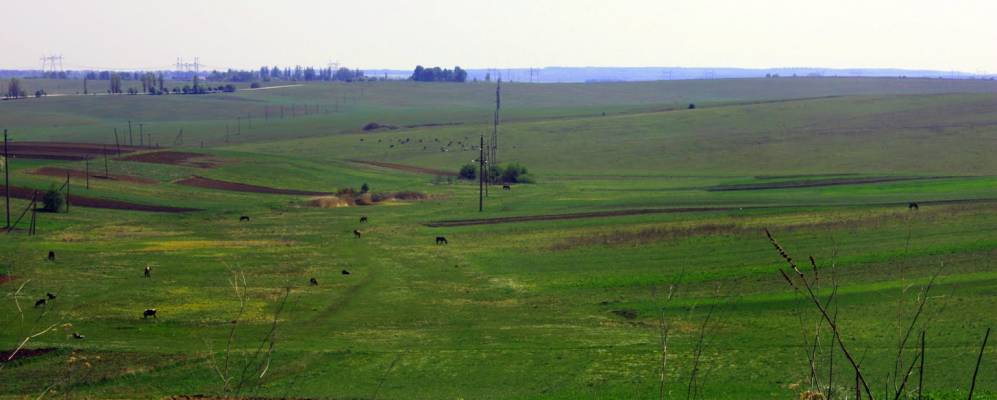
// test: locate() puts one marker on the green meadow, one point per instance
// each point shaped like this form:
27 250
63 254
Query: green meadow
664 286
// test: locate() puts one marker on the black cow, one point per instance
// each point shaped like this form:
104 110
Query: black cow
149 312
345 272
356 233
441 240
50 295
506 187
77 335
912 206
244 218
363 219
313 282
148 272
51 256
40 302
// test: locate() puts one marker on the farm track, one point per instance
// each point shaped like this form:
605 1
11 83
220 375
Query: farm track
65 150
820 183
93 202
208 183
61 173
644 211
406 168
181 158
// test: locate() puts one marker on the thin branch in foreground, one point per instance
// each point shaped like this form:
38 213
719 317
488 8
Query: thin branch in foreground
820 307
979 358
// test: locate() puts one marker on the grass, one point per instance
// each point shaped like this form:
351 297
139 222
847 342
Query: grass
519 310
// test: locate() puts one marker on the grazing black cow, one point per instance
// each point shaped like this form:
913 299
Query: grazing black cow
506 187
313 282
345 272
50 295
148 272
356 233
149 312
912 206
40 302
244 218
363 219
441 240
51 256
77 335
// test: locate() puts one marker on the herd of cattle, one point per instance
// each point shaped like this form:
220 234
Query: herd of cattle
147 273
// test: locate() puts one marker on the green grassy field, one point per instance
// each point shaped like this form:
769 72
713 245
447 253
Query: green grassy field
540 309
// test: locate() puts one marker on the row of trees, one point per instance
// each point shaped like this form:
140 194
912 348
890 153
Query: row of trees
437 74
298 73
511 173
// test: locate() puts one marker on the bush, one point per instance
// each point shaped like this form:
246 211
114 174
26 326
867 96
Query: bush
52 201
254 85
364 188
469 172
513 173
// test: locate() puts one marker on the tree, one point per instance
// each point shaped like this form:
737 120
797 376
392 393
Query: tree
14 89
364 188
115 83
52 201
468 172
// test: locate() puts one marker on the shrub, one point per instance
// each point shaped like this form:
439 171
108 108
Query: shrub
364 188
52 201
513 173
254 85
469 172
692 106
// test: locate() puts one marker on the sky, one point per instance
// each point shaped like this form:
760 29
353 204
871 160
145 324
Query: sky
950 35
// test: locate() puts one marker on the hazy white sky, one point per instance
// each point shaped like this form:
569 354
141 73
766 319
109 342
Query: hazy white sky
945 35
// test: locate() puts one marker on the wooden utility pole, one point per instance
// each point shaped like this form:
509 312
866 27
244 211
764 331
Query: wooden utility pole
67 192
116 144
87 172
106 173
6 178
131 139
498 106
481 175
141 133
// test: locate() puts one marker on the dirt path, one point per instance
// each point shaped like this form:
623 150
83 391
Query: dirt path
61 173
406 168
208 183
93 202
643 211
819 183
182 158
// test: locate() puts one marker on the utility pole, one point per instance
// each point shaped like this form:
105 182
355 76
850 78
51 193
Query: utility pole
116 144
481 175
106 173
88 173
6 178
67 192
498 107
131 141
141 132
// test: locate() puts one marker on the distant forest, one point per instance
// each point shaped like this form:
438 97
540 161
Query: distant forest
437 74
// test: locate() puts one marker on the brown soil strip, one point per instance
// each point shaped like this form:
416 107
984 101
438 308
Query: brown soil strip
6 278
93 202
197 160
643 211
23 353
817 183
406 168
65 151
61 173
208 183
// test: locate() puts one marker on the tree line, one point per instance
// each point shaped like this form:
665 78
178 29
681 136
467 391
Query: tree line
437 74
